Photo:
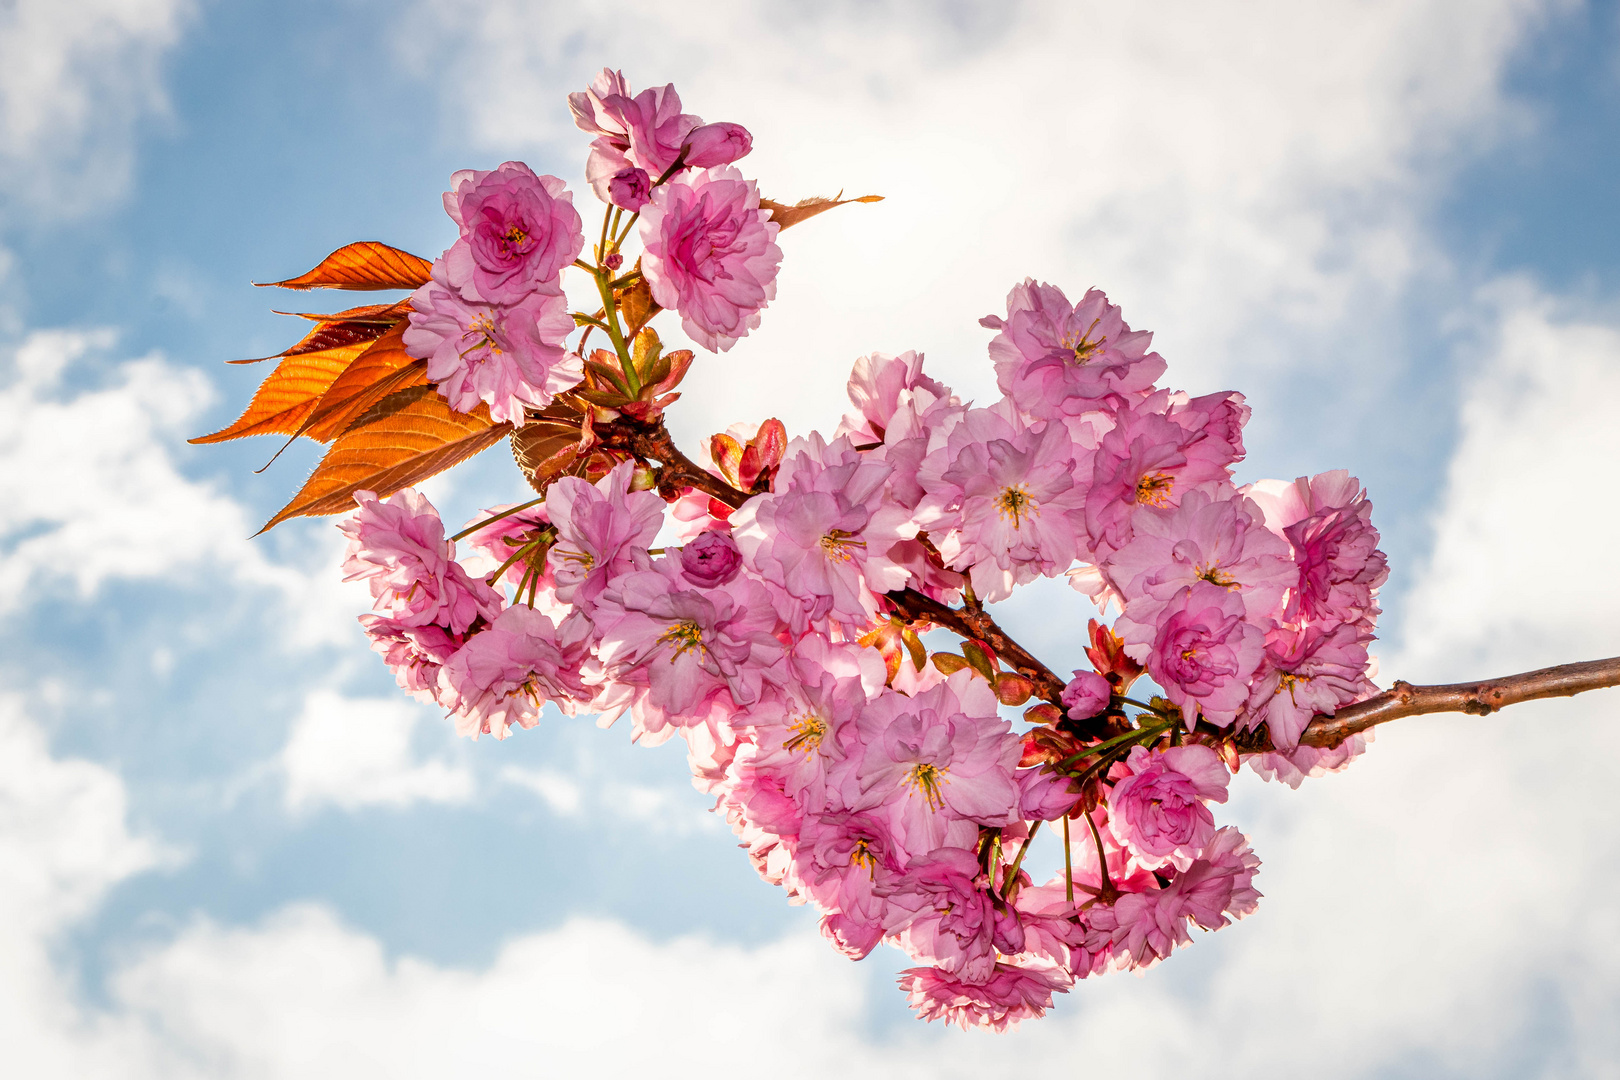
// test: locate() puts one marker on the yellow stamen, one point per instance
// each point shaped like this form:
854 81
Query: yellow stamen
685 636
928 779
1084 348
1154 489
1014 502
837 544
810 728
1216 576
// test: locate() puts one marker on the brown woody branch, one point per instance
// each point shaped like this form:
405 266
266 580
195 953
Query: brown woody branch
675 470
976 623
1476 698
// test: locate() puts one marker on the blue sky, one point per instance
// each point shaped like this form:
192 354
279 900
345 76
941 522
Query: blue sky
229 847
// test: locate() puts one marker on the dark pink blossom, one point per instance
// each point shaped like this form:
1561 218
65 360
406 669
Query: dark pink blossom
510 356
646 130
1086 695
1158 811
518 231
717 144
630 189
711 559
398 546
1012 993
845 861
1054 359
1202 651
1044 795
503 676
1328 520
940 909
710 254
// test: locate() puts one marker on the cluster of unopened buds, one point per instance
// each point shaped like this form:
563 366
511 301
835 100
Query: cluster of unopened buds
766 603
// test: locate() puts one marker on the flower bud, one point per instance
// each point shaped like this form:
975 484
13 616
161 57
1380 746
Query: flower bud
630 189
710 560
717 144
1086 695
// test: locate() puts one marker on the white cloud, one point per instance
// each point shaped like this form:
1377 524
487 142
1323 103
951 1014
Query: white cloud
1232 176
90 491
354 752
562 793
74 80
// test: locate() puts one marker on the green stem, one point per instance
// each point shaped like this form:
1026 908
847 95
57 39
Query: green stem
1068 864
615 334
1012 871
1102 859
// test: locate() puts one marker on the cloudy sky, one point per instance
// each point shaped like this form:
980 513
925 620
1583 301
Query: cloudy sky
228 847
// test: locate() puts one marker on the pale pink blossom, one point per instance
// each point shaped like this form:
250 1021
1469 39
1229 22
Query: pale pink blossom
503 676
1328 520
1054 359
824 534
518 231
710 254
1293 766
936 765
398 546
1219 540
1055 929
1202 651
1158 811
1001 502
599 527
510 356
880 387
1012 993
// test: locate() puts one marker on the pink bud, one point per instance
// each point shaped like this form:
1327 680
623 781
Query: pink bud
717 144
710 560
1087 695
630 189
613 261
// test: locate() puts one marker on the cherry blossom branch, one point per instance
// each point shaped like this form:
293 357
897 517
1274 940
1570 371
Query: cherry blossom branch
654 443
1475 698
977 623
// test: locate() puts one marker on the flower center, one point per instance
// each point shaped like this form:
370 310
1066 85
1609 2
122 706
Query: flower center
837 544
1216 576
1287 680
928 779
515 236
862 855
584 559
482 327
685 635
1084 348
809 730
1154 489
1014 502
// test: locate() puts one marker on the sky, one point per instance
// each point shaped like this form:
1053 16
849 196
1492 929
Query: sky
229 847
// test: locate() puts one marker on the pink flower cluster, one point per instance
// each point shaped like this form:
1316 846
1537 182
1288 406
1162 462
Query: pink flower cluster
890 794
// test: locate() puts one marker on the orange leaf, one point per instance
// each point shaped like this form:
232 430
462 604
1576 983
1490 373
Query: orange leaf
548 447
343 328
789 216
363 265
285 400
382 369
637 306
403 448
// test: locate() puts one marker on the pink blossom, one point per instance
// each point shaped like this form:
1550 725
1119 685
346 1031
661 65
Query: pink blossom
1150 459
647 130
1147 926
937 764
939 910
879 387
1307 672
687 645
413 653
398 545
846 861
1087 694
711 254
717 144
511 356
824 535
1293 766
599 528
1001 502
1055 929
711 559
1201 650
1044 795
503 676
1158 811
1012 993
1218 540
518 231
1328 520
1053 359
